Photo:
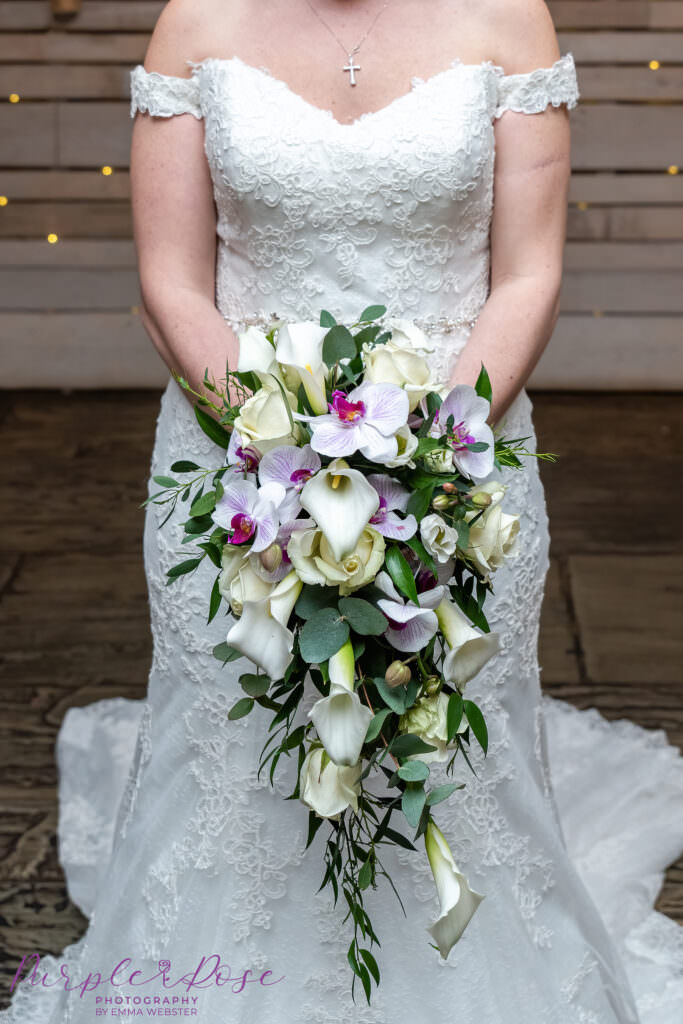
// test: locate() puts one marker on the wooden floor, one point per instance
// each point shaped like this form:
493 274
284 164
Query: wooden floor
74 606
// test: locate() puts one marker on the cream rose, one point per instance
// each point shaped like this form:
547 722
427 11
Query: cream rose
492 539
393 363
264 420
312 558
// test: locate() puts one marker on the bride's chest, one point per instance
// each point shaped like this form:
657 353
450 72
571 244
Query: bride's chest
433 145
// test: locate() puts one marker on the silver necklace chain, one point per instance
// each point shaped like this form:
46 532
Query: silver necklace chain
350 67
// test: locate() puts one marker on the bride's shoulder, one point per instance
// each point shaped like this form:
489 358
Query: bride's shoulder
186 30
521 34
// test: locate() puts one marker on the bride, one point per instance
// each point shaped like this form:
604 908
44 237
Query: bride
290 156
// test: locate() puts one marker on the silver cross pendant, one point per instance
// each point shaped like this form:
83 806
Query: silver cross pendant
351 67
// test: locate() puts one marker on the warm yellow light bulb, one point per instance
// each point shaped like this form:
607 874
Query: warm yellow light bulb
654 65
583 205
107 171
673 169
4 200
14 97
52 238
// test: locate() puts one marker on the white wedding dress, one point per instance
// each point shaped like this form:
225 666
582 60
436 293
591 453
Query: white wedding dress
571 820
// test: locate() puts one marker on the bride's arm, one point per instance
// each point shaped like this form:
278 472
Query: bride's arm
528 228
174 221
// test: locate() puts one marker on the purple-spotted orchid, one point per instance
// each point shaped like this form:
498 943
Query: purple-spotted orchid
363 421
250 513
292 468
393 497
461 420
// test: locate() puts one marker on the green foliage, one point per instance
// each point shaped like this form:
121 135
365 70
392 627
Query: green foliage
322 635
218 434
400 572
363 617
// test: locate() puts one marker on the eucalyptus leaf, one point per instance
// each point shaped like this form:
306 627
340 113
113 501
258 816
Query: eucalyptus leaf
439 793
338 345
414 798
372 313
312 598
225 653
414 771
375 726
241 708
202 506
454 714
165 481
408 743
322 635
254 685
363 617
214 600
184 466
483 385
183 567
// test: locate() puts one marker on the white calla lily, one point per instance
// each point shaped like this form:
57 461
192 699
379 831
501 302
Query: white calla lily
299 349
341 501
341 720
256 354
330 789
458 901
261 633
470 650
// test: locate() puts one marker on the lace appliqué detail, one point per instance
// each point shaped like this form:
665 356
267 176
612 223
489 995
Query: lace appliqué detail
532 92
163 95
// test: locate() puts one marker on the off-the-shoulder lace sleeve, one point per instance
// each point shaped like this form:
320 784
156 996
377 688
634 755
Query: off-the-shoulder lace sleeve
533 91
163 95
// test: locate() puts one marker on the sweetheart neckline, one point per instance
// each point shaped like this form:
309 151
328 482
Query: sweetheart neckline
416 82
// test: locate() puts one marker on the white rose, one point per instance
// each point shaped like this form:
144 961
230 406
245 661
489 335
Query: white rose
406 334
330 790
492 539
407 446
264 421
312 557
232 560
246 585
438 537
391 363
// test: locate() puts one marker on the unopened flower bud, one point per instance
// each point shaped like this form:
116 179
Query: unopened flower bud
481 499
271 558
440 502
449 488
398 674
432 685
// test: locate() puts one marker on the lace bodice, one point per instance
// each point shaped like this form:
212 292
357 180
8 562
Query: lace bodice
394 206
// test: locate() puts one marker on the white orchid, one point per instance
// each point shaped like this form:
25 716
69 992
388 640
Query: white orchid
250 512
458 901
363 421
406 444
410 627
393 497
242 458
328 790
340 719
469 649
292 468
462 419
341 501
261 632
299 348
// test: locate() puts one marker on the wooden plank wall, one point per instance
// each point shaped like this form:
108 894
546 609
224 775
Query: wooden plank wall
68 311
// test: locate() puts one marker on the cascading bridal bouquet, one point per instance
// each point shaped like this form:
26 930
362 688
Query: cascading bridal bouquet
355 549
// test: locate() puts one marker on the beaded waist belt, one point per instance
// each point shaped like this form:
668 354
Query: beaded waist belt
428 324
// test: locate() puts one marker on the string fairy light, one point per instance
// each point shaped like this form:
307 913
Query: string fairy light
14 97
107 171
53 238
4 200
672 169
654 65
